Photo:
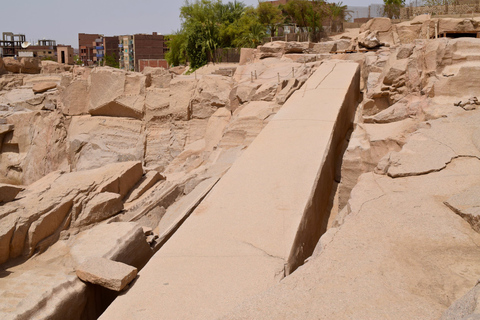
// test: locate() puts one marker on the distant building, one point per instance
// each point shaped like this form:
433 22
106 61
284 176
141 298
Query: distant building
44 49
141 47
85 45
11 43
103 47
110 45
125 52
148 46
65 54
154 63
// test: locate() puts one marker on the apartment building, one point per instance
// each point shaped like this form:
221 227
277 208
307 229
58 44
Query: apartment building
125 53
144 47
86 47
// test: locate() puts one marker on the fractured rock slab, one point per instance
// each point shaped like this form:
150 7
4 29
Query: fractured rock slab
467 205
43 86
146 183
8 192
106 273
49 205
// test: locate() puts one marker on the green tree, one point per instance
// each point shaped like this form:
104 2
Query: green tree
270 16
337 12
391 8
176 54
307 15
77 61
111 61
296 10
246 31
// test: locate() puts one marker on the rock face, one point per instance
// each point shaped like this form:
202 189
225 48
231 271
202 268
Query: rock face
81 147
2 67
57 201
106 273
405 216
8 192
254 228
50 276
42 87
22 65
464 308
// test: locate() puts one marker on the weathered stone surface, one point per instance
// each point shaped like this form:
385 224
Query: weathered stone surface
215 128
22 65
464 308
247 122
116 93
435 145
377 24
157 77
106 273
164 142
463 83
244 247
97 141
369 143
49 205
42 293
456 25
247 55
287 89
467 205
212 92
398 69
45 287
408 33
100 207
369 40
324 47
73 100
181 92
150 179
52 67
266 92
431 262
35 148
2 67
8 192
177 70
118 241
271 49
42 87
12 65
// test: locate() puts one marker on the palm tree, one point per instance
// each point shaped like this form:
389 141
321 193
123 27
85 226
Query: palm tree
338 12
255 36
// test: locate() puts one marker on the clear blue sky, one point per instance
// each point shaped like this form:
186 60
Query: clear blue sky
62 20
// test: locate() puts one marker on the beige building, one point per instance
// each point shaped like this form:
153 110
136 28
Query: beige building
65 54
